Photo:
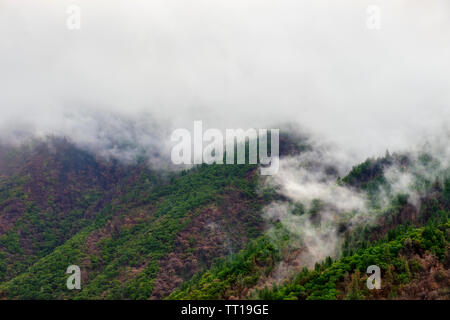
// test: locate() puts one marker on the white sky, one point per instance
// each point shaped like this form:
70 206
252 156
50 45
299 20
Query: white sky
230 63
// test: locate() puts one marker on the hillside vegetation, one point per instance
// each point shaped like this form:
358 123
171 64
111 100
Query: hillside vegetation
140 233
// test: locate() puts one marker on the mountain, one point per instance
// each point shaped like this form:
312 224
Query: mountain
138 232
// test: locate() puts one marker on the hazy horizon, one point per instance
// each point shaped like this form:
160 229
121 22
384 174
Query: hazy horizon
136 65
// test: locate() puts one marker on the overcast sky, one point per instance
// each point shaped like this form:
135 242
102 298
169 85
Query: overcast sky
230 63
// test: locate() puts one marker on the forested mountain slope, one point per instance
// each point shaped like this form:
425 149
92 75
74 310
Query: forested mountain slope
141 233
134 233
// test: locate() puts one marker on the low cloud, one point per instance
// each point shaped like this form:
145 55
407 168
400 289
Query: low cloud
231 64
316 206
317 209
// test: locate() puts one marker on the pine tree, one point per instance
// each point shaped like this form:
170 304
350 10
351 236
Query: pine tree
354 289
408 271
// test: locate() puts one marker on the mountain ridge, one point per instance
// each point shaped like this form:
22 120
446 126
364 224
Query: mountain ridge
138 233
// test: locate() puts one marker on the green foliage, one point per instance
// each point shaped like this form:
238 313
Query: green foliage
143 243
328 281
446 192
230 277
120 224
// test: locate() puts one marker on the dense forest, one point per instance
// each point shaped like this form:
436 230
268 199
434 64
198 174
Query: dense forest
201 233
